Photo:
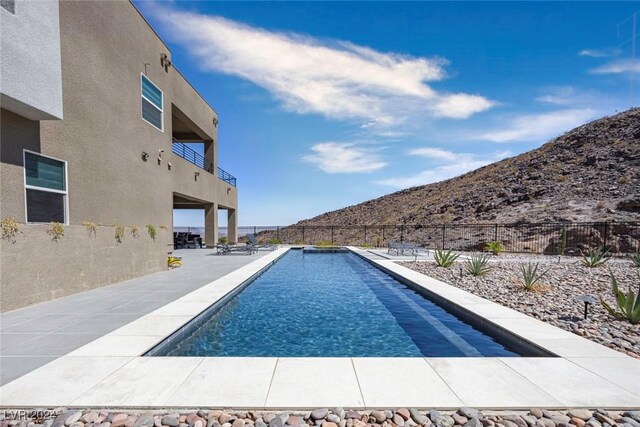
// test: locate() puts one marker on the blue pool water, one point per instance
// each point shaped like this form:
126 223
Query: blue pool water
331 305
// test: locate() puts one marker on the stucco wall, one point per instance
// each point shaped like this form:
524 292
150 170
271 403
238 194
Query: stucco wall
78 261
30 76
105 46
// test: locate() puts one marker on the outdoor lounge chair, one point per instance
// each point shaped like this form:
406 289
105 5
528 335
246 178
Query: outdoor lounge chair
253 241
224 249
404 247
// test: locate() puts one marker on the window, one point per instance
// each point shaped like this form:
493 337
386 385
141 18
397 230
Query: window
151 103
46 188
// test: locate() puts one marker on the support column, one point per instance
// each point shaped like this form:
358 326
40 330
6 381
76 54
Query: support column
232 225
211 225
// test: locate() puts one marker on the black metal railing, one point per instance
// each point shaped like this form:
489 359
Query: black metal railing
192 156
226 176
541 238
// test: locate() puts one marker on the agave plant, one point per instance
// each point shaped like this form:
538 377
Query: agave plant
635 259
494 247
531 276
444 259
628 305
478 264
595 257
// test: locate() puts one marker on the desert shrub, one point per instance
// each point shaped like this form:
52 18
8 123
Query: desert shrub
494 247
118 232
444 259
366 245
274 241
152 231
56 231
134 230
324 243
477 265
91 227
628 305
10 229
223 240
531 276
594 258
635 259
174 261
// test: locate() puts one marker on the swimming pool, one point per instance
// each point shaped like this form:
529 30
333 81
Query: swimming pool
328 305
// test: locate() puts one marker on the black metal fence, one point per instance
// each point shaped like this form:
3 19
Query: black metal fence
541 238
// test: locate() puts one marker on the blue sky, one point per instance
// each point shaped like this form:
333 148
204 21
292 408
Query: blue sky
325 105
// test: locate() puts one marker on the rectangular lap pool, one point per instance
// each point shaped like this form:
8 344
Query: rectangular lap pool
329 305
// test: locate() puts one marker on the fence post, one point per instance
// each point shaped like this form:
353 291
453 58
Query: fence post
332 234
278 232
254 231
402 233
365 234
303 234
444 229
495 233
383 235
606 235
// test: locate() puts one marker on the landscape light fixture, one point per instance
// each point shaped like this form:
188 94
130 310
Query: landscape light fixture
145 156
587 299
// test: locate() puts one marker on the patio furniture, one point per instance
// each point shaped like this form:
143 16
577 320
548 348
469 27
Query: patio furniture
401 247
253 241
224 249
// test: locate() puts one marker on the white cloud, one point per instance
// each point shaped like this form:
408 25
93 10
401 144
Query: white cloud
335 78
344 157
539 127
448 165
618 67
599 53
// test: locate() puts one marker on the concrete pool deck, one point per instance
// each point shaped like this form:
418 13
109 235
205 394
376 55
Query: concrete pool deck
110 372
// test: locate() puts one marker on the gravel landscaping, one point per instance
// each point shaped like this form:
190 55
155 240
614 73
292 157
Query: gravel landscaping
322 417
555 300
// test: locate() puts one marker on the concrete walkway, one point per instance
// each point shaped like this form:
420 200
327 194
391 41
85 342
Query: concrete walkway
33 336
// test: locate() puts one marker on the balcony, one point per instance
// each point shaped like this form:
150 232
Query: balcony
192 156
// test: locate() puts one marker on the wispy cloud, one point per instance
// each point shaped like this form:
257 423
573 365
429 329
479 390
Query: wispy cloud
539 127
338 79
600 53
344 157
621 66
448 164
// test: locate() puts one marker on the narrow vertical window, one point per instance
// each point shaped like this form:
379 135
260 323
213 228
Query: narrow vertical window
45 188
152 112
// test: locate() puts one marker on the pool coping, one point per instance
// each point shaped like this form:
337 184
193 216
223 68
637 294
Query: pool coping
111 371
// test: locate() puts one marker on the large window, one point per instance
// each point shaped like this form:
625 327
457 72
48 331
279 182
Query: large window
46 188
151 103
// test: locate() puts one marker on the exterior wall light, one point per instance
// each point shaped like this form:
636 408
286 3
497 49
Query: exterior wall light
165 61
145 156
196 175
215 122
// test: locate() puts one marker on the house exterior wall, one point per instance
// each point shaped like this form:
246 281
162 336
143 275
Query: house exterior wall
30 68
105 47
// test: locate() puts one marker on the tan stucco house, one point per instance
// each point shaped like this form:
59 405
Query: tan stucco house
94 117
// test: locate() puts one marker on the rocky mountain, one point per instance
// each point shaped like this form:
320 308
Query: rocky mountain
591 173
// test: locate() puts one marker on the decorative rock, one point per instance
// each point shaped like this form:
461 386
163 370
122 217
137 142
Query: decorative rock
319 414
556 417
268 417
276 422
404 413
388 414
378 415
445 421
295 420
411 423
333 418
130 421
473 422
119 420
90 417
519 422
433 416
226 425
583 414
239 423
536 412
487 422
465 411
634 415
578 422
76 424
105 424
459 419
339 412
329 424
72 418
359 423
529 419
398 420
170 421
260 423
353 415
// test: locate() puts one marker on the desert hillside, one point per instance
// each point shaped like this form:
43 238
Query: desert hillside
591 173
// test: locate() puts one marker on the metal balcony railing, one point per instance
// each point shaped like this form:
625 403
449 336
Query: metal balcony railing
226 177
190 155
